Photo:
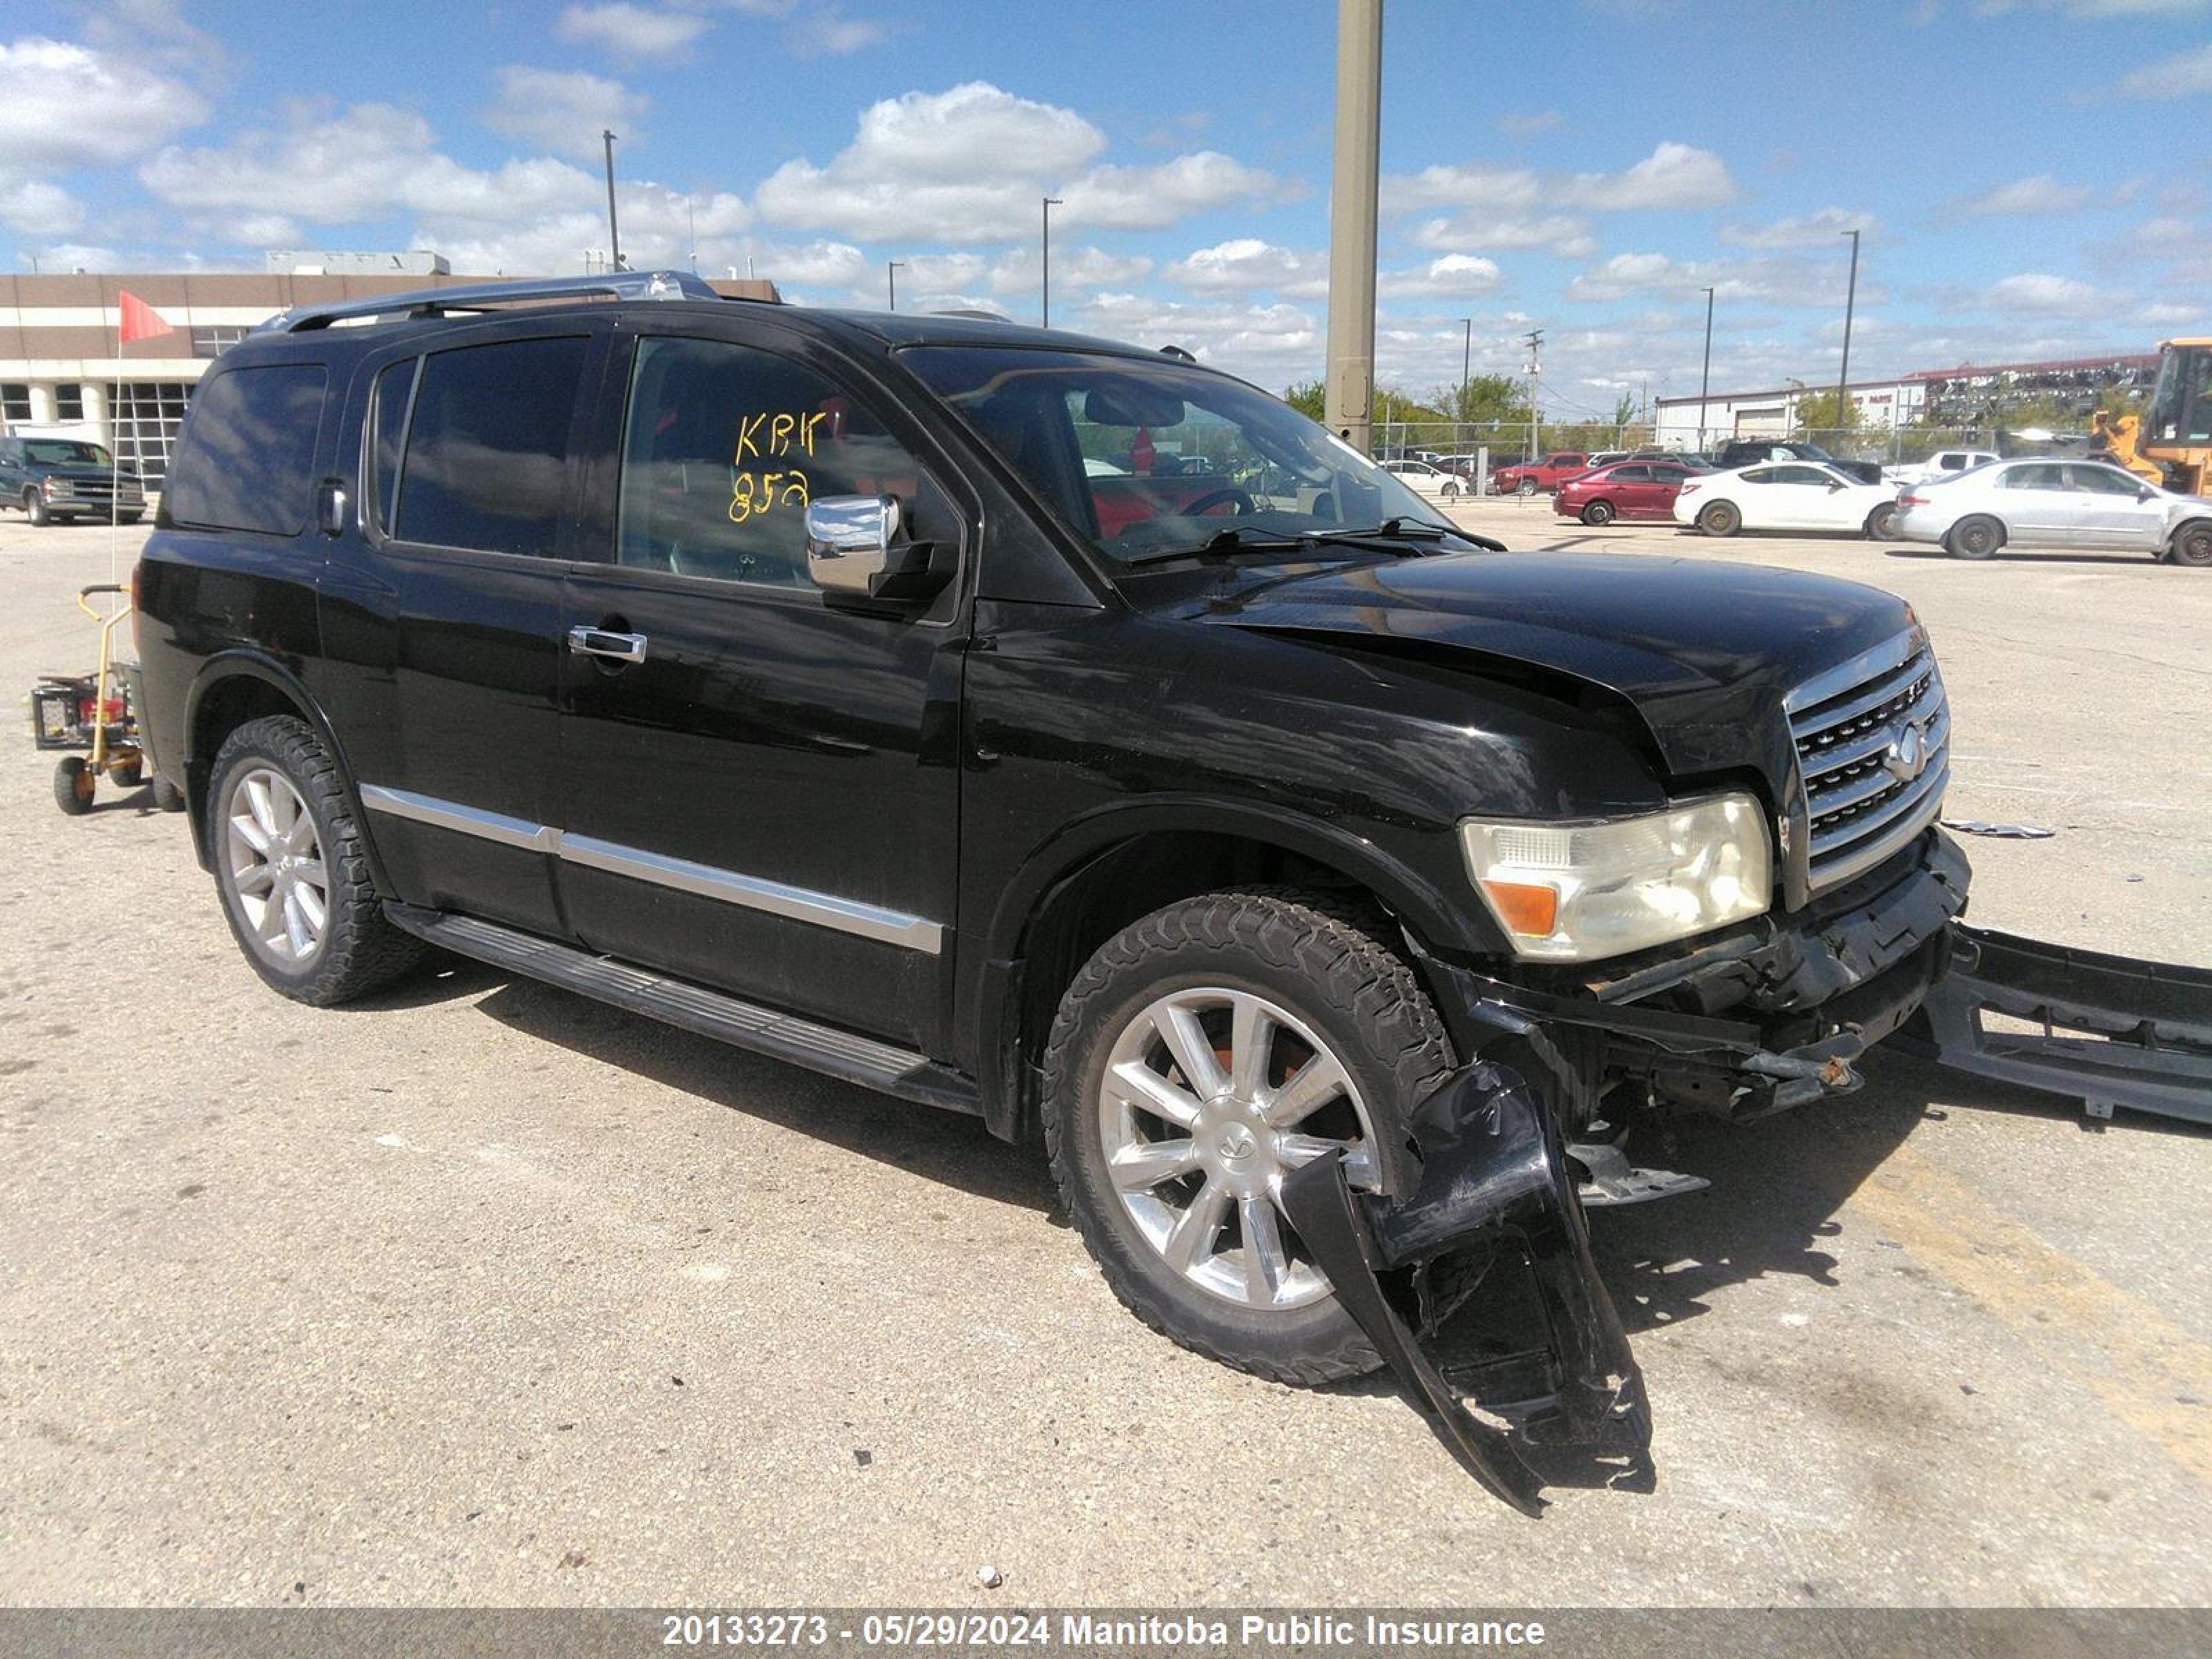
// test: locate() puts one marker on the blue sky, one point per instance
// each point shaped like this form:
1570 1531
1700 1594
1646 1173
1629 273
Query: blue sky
2034 177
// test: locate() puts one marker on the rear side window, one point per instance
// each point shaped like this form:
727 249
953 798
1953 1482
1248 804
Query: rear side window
487 452
395 386
248 451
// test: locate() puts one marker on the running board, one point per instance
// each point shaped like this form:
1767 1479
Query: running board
864 1060
2116 1032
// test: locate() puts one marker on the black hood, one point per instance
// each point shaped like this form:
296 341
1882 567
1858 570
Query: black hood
1705 651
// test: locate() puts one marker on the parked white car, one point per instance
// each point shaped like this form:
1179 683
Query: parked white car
1426 479
1944 463
1786 495
2063 504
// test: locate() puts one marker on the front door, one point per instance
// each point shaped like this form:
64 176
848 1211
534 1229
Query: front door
2119 512
759 788
441 645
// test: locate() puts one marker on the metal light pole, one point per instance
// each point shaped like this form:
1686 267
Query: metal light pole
1705 374
1045 262
1348 394
891 269
1466 362
614 236
1850 299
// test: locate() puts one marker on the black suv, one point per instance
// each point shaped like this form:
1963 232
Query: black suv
54 480
1753 452
859 690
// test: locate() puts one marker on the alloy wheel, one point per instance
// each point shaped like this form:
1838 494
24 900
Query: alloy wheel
1210 1096
273 862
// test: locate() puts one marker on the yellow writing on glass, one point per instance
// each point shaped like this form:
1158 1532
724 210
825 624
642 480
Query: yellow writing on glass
771 433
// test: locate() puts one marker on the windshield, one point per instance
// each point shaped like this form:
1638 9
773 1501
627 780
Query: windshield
1142 458
53 451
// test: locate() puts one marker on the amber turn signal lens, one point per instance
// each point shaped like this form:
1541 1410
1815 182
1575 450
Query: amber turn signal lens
1531 912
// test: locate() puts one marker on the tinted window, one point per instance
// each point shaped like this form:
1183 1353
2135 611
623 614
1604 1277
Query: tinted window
724 447
2104 481
389 417
1801 475
488 447
1764 475
247 451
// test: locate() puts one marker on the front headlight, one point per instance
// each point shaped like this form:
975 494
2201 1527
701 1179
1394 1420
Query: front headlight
1578 892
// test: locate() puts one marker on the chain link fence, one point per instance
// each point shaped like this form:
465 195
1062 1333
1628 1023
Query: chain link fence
1508 442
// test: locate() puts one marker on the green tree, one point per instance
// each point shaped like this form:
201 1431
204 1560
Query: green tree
1307 397
1624 410
1488 398
1831 415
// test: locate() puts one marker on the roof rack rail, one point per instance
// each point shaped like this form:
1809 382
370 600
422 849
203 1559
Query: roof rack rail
483 296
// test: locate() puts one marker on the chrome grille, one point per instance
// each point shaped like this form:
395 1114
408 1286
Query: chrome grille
1873 753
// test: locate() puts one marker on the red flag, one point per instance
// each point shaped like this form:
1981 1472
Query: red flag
140 321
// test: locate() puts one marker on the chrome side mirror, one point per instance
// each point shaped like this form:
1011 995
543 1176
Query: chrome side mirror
848 541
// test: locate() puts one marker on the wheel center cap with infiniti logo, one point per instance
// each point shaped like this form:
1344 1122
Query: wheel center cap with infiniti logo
1237 1143
1907 758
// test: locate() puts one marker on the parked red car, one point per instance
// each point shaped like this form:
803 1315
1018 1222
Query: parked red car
1626 489
1527 478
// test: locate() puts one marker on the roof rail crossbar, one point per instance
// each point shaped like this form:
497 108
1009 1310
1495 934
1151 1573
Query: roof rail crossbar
481 296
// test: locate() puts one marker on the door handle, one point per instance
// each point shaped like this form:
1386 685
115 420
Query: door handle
599 642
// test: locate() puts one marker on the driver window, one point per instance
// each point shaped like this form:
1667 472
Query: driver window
2102 481
723 447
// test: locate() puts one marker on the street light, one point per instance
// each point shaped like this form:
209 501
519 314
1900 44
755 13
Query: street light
1465 364
614 236
1705 374
891 269
1045 262
1850 299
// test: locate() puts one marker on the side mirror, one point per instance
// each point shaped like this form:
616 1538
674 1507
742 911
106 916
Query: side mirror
2144 493
1835 484
853 551
848 540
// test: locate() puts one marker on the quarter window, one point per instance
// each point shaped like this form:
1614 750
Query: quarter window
487 452
246 454
724 447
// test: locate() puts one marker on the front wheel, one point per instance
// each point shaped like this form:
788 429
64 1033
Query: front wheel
289 865
1201 1054
1720 519
2192 544
34 508
73 785
1598 513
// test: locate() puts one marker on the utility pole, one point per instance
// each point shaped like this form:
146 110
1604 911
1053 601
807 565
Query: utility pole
1851 300
1045 261
1535 338
614 236
891 269
1348 396
1466 364
1705 374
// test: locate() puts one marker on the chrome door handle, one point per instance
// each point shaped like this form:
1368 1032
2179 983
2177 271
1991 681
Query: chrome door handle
599 642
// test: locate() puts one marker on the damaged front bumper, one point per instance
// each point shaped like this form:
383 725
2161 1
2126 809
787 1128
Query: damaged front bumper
1513 1146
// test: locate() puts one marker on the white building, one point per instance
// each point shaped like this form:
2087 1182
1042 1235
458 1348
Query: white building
1689 423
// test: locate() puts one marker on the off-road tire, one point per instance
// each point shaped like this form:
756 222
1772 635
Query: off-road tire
2192 544
73 785
1720 519
360 950
1316 954
1598 513
1976 537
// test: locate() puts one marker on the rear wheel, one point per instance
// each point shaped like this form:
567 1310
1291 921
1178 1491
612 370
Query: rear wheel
2192 544
289 866
1881 523
1199 1055
1974 538
1720 519
1598 513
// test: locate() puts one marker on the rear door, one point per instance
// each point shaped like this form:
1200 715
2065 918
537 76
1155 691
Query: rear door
765 798
2040 508
441 622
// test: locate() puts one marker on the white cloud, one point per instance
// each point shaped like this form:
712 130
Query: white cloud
1675 176
1778 280
630 32
1148 198
1560 235
2040 291
2163 315
563 111
827 31
1451 277
1672 176
1246 264
38 209
1268 343
2040 194
1073 270
1814 230
973 161
64 106
2187 74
